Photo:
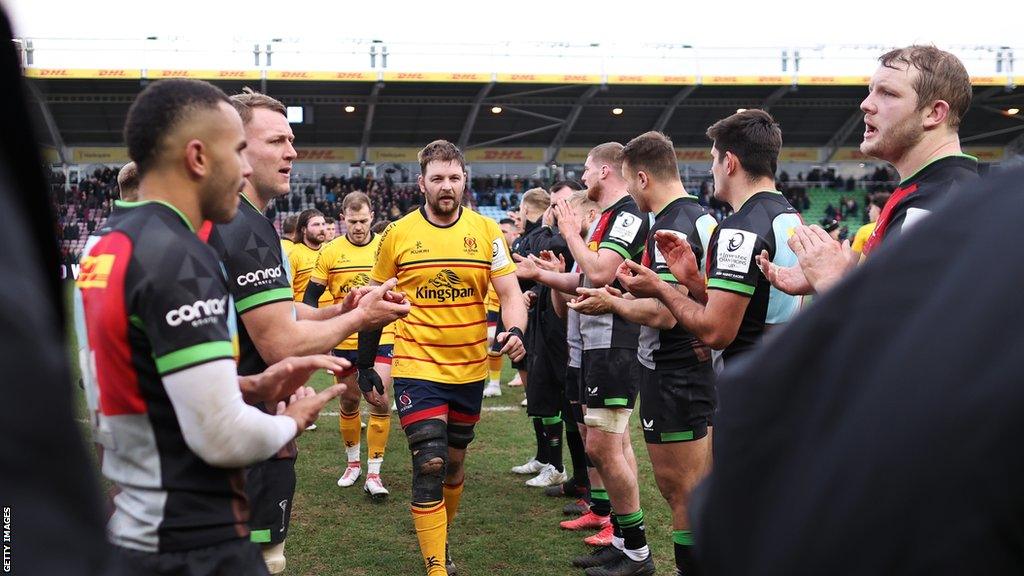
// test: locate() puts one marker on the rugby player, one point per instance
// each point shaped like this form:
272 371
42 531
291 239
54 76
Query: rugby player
160 321
259 281
288 233
737 305
330 229
344 265
532 208
677 391
444 256
876 203
546 394
610 370
912 113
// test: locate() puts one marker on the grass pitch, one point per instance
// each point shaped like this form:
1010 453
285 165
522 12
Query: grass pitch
503 527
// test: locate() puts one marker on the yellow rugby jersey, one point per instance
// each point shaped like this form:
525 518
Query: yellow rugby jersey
286 247
492 302
302 259
445 273
342 266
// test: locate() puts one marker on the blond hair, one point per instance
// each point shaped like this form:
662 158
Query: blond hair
249 100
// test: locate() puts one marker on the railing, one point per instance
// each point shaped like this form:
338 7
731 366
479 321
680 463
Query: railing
623 63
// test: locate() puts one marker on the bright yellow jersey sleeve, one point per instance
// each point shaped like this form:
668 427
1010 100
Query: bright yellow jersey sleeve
303 261
863 233
342 267
445 272
286 246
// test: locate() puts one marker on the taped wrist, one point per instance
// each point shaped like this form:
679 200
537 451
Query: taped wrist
369 341
515 331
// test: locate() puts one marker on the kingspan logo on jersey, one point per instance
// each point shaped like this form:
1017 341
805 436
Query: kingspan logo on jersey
198 313
444 287
259 277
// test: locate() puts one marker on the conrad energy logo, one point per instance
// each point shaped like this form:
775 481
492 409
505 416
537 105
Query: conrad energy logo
444 288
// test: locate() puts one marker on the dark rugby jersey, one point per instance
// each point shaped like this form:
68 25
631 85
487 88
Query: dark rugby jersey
919 194
154 301
257 272
676 347
764 222
622 227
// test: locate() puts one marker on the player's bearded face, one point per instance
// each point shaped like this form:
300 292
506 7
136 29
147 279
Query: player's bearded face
358 223
315 230
892 120
443 184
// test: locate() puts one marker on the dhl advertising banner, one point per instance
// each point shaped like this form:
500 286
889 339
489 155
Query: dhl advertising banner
800 155
436 77
88 74
99 155
379 155
204 74
572 155
505 155
326 154
321 76
654 80
550 78
693 154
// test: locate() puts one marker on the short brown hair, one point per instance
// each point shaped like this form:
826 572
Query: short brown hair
440 151
942 77
249 100
537 199
289 224
653 153
355 201
879 199
608 153
754 137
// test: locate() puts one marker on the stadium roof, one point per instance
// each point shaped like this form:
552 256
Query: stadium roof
91 111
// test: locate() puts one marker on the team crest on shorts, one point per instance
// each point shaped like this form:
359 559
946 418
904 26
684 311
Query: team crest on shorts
404 401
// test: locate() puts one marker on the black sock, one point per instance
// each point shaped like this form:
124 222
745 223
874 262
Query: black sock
542 445
682 541
553 435
616 529
578 455
599 503
633 529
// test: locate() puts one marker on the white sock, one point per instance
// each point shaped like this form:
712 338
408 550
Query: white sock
619 542
353 453
495 383
639 554
373 465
